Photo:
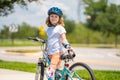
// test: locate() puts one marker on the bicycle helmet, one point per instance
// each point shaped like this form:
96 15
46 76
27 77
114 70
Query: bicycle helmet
55 10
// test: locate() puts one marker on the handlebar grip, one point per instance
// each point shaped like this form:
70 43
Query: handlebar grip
37 39
71 53
67 55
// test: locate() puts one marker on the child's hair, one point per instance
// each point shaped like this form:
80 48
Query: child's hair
60 22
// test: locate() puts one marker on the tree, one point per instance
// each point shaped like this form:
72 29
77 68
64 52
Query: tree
7 6
93 9
4 33
69 26
25 31
103 17
110 21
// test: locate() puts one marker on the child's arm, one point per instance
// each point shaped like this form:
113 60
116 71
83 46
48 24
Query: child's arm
63 38
65 41
67 45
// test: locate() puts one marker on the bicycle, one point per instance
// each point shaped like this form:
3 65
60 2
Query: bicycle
77 71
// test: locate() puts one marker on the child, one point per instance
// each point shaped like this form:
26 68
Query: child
56 38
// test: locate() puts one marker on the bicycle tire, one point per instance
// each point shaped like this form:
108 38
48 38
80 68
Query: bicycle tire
40 71
82 70
37 72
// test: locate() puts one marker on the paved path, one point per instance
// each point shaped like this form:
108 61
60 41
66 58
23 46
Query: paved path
6 74
15 75
96 58
99 58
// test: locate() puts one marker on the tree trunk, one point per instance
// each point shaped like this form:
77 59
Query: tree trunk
12 38
116 40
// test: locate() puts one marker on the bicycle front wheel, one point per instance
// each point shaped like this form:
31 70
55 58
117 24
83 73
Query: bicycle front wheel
81 71
39 75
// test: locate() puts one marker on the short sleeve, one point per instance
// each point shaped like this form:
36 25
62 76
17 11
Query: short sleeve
61 29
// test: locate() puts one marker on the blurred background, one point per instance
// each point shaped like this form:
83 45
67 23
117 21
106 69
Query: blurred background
94 23
93 29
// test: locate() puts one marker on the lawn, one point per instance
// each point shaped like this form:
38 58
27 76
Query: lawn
31 67
18 42
25 42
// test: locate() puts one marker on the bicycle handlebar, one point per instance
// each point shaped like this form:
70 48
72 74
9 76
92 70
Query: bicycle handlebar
37 39
70 55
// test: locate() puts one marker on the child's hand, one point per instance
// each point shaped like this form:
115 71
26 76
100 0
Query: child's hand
71 52
69 55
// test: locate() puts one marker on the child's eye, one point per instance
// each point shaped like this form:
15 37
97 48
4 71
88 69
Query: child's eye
52 16
56 16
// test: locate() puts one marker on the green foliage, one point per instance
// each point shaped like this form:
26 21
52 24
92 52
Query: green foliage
110 21
69 26
83 35
7 6
24 31
93 9
103 17
80 35
4 33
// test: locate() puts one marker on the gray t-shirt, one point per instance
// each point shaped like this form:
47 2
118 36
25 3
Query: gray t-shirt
54 44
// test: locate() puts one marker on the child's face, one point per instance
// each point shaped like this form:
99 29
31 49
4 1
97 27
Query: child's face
54 19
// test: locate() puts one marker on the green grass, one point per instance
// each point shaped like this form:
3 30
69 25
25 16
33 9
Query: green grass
80 35
30 67
18 42
23 51
96 45
107 75
24 42
20 66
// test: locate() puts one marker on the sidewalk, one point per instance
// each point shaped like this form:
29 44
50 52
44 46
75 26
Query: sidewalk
6 74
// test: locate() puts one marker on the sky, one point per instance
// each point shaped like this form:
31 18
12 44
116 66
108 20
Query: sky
37 12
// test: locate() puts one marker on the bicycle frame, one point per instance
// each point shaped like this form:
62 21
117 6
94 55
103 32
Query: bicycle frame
65 72
46 57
